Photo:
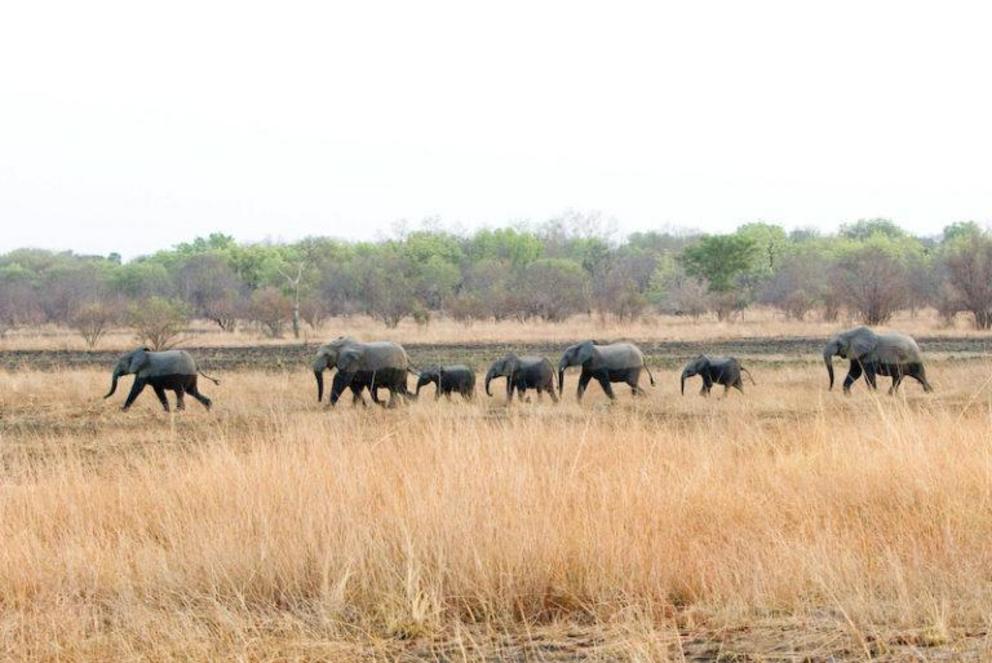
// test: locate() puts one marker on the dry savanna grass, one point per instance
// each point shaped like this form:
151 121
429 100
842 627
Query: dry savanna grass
754 323
784 523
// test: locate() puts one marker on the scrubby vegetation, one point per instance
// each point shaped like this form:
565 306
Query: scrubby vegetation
868 270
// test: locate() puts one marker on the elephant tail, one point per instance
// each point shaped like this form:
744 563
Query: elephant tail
413 371
648 370
214 380
748 374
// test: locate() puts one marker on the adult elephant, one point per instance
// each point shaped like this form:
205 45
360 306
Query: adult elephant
616 362
387 362
173 370
523 373
893 354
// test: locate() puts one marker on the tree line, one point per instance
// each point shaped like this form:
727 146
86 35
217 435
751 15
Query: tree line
867 270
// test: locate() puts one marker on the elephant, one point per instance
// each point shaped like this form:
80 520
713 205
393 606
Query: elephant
358 382
447 379
386 362
174 370
616 362
716 370
893 354
523 373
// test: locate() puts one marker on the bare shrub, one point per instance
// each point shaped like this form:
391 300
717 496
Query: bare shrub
158 321
871 280
93 320
270 310
968 264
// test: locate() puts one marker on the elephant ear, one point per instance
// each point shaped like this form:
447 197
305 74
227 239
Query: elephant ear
860 343
584 352
138 359
350 361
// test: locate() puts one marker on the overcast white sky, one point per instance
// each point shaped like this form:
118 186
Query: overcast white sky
132 126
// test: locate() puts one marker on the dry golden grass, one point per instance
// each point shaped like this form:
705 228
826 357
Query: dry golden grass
760 322
787 522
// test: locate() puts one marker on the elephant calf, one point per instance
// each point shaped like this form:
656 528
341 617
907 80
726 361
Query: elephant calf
716 370
447 379
523 373
174 370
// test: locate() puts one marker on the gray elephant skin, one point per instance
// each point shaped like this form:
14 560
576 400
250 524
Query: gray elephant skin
606 363
456 378
523 373
386 361
894 354
357 383
716 370
173 370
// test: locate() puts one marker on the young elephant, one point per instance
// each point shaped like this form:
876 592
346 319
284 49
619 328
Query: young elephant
174 370
616 362
716 370
523 373
447 379
359 382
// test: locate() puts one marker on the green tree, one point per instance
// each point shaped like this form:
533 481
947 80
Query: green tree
720 259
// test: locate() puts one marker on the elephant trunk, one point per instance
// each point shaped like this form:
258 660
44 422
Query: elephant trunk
685 374
113 384
489 377
829 361
319 374
561 379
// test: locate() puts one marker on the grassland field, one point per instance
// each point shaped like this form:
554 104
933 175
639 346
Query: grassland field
787 523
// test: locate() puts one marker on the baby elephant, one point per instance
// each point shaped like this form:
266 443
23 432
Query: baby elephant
174 370
523 373
447 379
719 370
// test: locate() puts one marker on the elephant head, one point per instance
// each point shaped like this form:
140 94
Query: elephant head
129 364
575 355
852 344
693 368
428 375
328 357
504 367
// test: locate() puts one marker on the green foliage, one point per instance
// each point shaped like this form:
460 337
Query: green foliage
863 229
720 259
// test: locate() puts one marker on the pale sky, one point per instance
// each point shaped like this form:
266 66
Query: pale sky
132 126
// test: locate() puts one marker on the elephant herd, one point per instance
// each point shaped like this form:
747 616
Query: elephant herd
385 365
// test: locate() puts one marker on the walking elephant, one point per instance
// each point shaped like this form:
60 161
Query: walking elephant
173 370
386 361
616 362
456 378
894 354
523 373
716 370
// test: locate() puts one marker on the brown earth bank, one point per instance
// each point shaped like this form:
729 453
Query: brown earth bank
663 353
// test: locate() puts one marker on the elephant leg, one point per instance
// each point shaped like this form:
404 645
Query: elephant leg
356 398
632 379
583 383
919 374
160 394
870 374
136 388
739 384
194 391
852 376
180 393
604 382
704 390
897 377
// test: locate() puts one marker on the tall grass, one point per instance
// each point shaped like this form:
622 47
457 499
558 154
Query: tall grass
274 528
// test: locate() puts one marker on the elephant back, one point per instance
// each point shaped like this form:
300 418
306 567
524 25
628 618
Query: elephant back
897 348
384 354
618 356
170 362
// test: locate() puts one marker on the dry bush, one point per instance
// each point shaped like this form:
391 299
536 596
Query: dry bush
158 321
93 321
271 528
